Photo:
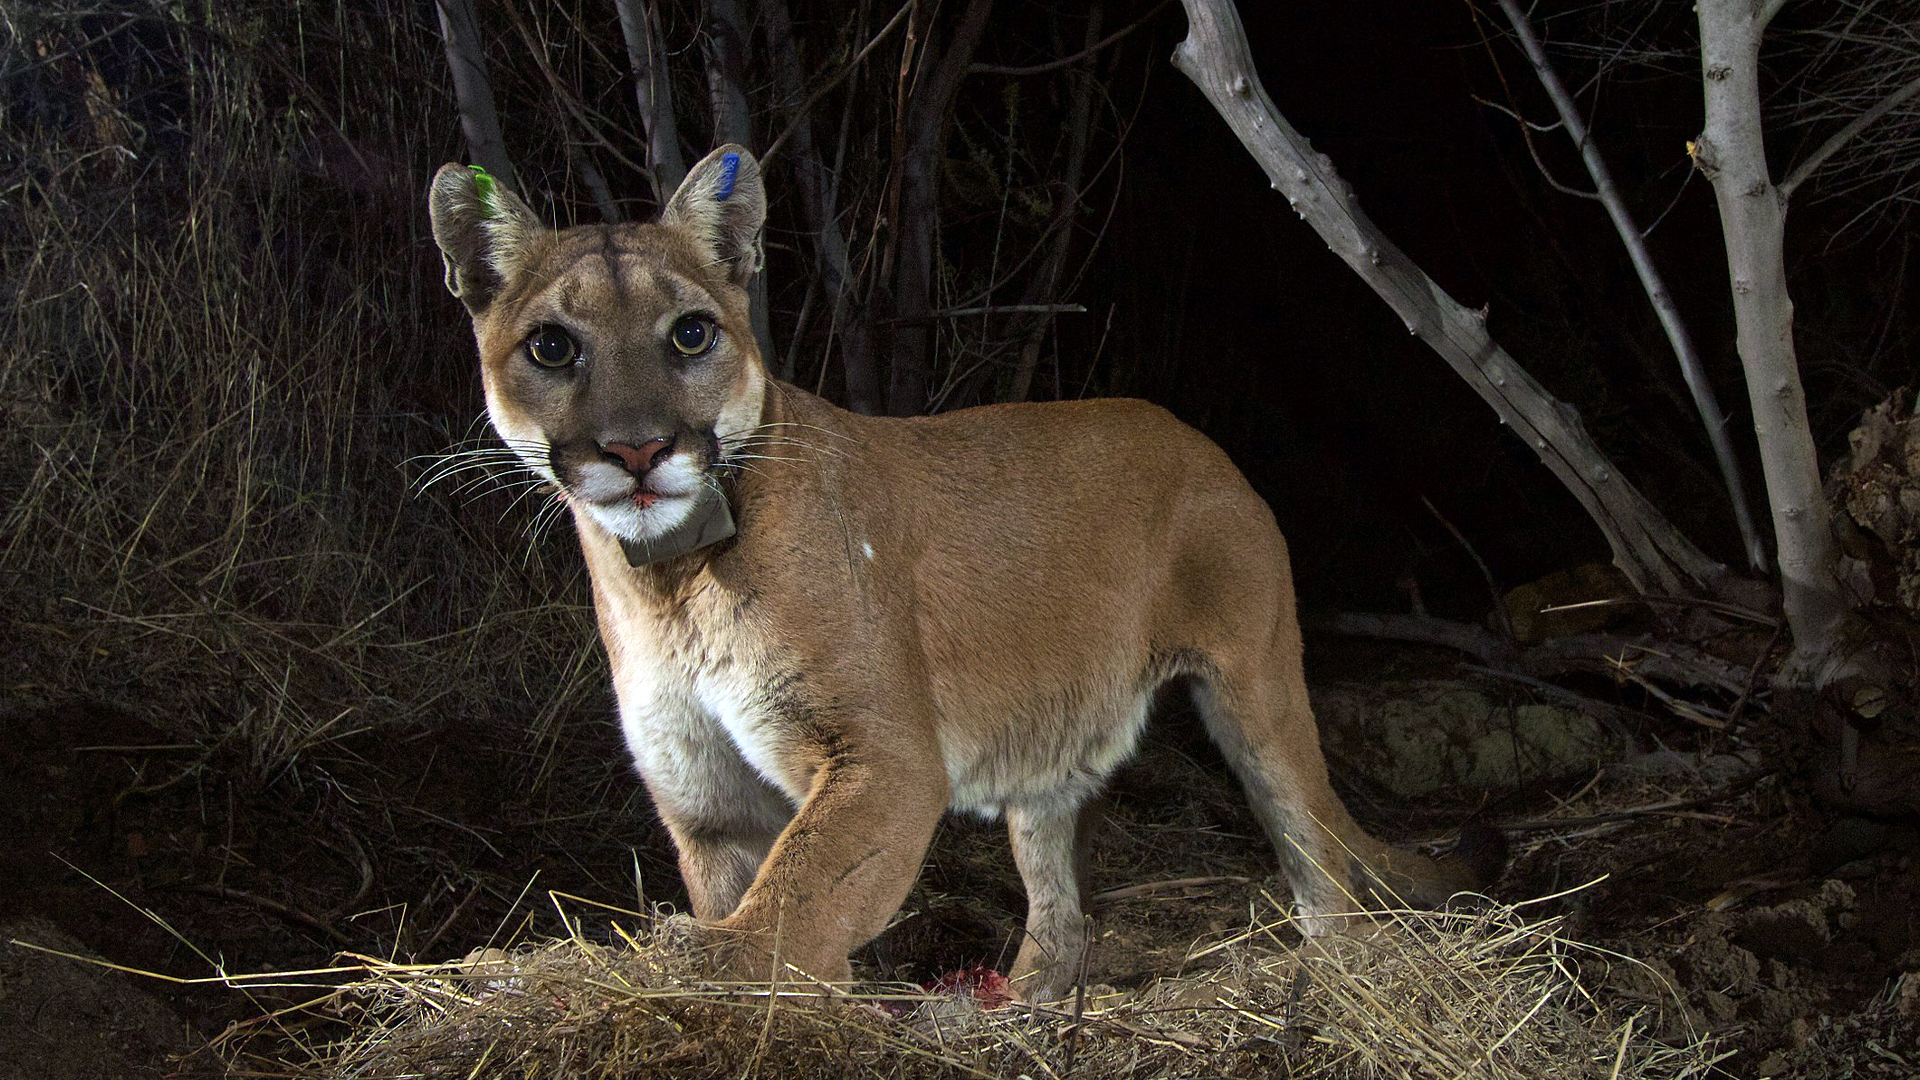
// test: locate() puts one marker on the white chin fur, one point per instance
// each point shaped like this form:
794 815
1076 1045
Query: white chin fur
629 522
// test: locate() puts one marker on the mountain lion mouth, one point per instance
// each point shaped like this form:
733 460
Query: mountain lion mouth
709 521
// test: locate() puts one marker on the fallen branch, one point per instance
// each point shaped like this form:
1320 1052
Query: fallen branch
1737 786
1476 641
271 907
1674 663
1147 888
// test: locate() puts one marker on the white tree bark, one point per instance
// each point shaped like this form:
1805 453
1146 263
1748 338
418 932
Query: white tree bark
1646 547
1753 218
1651 282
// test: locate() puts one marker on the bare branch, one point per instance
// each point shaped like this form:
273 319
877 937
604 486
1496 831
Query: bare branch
1840 138
1517 118
1069 61
467 58
927 115
725 37
640 26
726 48
812 182
567 99
800 113
1650 280
1044 283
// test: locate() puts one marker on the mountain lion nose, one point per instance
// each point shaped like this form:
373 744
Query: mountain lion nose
638 460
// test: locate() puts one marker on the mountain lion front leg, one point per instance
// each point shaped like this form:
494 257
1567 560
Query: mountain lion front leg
843 865
722 816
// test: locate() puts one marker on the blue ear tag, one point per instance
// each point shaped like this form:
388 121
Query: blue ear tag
729 168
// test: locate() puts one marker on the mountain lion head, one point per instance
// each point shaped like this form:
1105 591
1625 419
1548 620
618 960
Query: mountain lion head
618 360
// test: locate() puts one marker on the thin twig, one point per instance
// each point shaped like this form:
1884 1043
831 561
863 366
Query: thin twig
1493 587
1069 61
272 907
1753 676
1844 135
813 98
994 309
1612 715
1145 888
1736 786
1683 709
1691 368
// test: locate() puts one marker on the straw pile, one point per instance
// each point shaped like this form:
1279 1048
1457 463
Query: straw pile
1489 994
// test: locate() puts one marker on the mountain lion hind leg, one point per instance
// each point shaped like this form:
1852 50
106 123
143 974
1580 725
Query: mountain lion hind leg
1258 714
1050 848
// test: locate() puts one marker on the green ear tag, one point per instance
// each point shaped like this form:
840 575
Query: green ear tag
483 186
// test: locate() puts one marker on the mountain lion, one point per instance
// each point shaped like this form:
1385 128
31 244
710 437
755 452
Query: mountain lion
827 629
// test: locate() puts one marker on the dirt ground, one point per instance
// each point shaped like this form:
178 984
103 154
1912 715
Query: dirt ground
1789 935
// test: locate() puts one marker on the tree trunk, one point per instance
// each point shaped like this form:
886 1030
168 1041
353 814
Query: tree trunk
1060 228
812 184
1753 219
726 39
917 223
1651 282
640 26
467 59
1653 554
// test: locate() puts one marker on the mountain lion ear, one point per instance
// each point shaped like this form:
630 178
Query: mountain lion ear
484 231
723 204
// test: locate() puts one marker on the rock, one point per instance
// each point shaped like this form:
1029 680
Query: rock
1793 931
1797 930
1713 963
1415 737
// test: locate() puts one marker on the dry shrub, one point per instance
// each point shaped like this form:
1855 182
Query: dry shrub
1487 994
227 353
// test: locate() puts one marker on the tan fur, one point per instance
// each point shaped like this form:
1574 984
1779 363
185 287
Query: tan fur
966 612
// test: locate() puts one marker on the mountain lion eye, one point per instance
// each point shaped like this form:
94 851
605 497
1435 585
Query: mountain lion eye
552 347
694 334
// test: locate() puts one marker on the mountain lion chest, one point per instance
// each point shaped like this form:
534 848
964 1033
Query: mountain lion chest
699 681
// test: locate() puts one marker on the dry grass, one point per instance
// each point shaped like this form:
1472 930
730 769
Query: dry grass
1492 994
226 357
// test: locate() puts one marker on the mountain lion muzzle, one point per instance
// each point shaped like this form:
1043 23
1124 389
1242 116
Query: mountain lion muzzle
826 629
